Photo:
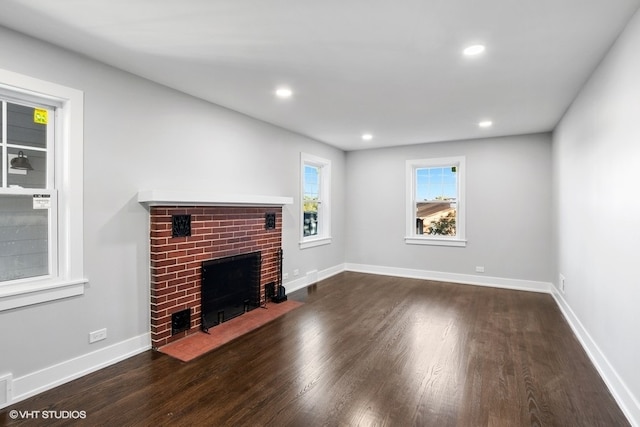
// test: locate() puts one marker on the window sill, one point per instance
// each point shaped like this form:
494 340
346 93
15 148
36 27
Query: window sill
431 241
36 292
318 241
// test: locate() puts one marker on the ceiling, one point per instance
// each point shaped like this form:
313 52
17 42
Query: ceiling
392 69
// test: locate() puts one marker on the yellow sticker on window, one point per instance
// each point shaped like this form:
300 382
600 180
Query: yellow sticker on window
40 116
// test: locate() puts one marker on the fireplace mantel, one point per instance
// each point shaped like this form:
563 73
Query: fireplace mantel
203 198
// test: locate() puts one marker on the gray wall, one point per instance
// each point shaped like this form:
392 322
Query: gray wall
508 188
140 135
596 151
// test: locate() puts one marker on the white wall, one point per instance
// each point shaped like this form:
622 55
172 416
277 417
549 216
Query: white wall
139 135
509 229
596 151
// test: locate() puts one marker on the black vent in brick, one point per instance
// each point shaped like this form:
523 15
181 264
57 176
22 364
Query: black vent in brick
270 220
180 225
180 321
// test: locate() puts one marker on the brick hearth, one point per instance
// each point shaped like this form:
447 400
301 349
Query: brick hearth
216 231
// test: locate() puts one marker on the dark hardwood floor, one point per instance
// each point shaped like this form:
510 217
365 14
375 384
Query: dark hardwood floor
363 350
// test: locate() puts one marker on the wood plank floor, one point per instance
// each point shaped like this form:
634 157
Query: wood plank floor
364 350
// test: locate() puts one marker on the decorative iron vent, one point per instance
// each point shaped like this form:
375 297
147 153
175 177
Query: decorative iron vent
270 220
180 321
180 225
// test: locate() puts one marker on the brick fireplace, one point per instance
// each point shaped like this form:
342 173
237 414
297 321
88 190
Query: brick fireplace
214 232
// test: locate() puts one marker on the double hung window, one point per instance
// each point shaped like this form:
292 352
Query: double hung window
41 191
28 202
316 211
435 201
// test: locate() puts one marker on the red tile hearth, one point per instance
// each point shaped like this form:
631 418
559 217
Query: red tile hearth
197 344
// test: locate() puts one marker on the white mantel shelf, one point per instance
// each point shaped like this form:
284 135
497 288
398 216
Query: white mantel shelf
203 198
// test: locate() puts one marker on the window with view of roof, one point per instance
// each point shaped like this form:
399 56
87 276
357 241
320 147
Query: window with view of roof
435 201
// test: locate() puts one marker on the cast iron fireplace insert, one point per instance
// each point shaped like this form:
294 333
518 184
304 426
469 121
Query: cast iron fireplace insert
230 287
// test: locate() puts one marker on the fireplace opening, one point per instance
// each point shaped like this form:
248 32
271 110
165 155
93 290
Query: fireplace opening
230 287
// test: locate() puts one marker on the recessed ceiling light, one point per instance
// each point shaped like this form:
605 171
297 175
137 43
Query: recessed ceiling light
474 50
367 137
284 92
485 124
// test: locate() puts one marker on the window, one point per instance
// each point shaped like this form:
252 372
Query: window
316 213
28 202
40 191
435 202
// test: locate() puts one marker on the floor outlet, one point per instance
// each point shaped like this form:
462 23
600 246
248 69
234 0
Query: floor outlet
98 335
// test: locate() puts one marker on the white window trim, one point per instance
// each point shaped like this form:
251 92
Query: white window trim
324 235
411 237
69 280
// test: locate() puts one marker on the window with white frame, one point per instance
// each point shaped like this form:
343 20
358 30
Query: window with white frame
435 201
40 191
315 186
28 204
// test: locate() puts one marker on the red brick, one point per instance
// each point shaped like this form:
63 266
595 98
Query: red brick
165 277
158 256
162 263
190 287
162 248
186 273
185 245
168 305
162 335
175 268
186 300
176 254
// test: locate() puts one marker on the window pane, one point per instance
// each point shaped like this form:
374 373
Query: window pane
310 226
311 199
438 183
26 126
23 238
436 200
311 181
436 218
35 178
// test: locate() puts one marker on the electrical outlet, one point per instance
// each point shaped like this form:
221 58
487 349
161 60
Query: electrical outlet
561 281
285 276
98 335
480 269
296 272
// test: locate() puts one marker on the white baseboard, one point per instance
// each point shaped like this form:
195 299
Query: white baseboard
53 376
467 279
625 399
303 282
